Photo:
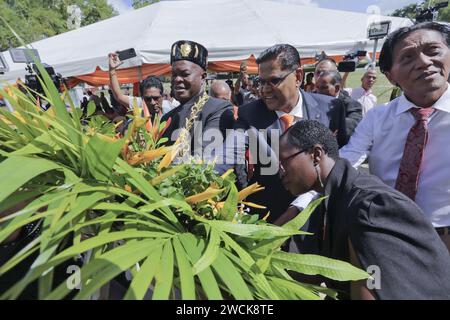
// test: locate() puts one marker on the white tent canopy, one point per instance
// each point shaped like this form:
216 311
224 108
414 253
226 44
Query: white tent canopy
229 29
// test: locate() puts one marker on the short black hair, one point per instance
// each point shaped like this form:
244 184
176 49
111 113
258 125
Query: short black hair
335 76
395 37
305 134
287 55
151 82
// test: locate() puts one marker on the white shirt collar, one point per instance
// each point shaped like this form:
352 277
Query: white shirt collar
442 104
297 112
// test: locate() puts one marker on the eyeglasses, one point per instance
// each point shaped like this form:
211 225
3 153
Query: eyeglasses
274 81
150 98
281 161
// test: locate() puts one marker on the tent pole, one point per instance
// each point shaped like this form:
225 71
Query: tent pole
374 57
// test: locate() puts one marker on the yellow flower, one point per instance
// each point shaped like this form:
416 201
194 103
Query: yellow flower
249 190
147 156
168 158
226 174
205 195
253 205
165 175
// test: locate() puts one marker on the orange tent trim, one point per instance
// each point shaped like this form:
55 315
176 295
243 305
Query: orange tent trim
131 75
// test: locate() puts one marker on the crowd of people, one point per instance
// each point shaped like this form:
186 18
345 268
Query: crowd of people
318 133
396 217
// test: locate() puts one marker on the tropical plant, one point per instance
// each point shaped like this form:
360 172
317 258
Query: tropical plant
182 230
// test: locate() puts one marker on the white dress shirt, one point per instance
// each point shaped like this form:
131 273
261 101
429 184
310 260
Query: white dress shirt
381 136
297 112
367 99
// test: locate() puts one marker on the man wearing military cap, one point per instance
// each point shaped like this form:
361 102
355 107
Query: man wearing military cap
189 62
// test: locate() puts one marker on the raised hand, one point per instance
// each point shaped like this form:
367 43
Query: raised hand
114 61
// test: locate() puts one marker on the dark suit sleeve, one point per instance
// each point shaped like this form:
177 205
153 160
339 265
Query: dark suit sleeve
226 153
353 115
391 235
345 114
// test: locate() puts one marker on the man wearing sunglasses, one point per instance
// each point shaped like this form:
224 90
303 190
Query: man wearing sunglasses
151 90
282 103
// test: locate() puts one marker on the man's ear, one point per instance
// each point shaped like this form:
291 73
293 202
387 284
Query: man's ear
299 73
204 75
337 87
317 154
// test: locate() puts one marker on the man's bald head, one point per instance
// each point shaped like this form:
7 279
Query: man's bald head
220 90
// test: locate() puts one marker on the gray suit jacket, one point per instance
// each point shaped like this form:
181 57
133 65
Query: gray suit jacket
255 117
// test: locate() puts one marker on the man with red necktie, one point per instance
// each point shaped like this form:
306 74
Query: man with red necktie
406 140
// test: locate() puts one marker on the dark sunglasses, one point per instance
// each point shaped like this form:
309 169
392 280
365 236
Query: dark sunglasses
274 81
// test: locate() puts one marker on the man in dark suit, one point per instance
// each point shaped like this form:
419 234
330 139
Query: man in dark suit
364 222
189 63
348 114
282 103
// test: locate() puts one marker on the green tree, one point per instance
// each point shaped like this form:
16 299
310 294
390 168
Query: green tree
410 11
142 3
38 19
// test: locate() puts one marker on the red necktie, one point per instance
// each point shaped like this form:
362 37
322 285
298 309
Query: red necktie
287 120
408 174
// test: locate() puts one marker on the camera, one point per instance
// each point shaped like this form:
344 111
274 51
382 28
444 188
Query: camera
32 78
350 61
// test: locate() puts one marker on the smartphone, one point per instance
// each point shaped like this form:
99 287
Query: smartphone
126 54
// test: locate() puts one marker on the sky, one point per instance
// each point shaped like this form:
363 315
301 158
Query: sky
385 6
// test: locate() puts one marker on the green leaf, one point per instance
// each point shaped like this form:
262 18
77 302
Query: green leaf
185 270
91 108
295 288
231 278
300 220
11 170
230 207
194 248
211 252
253 230
141 282
314 265
113 263
164 275
147 189
101 156
41 144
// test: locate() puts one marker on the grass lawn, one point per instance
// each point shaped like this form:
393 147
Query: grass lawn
382 88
